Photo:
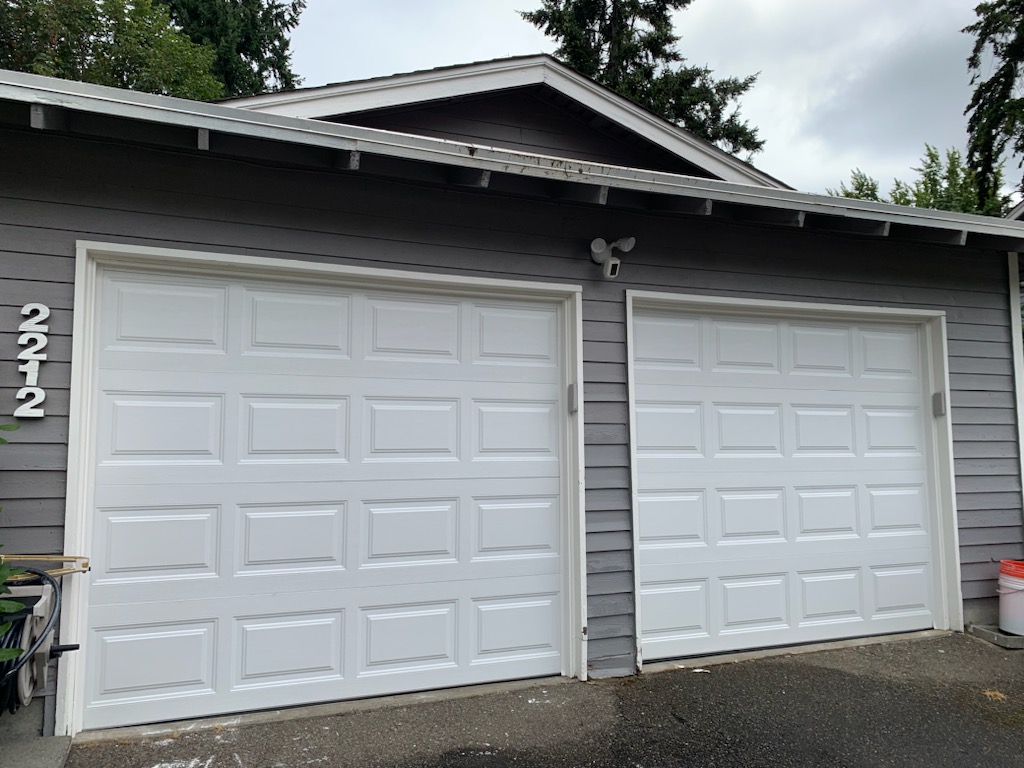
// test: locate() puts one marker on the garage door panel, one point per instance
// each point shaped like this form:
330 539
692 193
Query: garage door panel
373 478
783 491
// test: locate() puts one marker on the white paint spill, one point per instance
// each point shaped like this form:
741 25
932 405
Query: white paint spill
195 762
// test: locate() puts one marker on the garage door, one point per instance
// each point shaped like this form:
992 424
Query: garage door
783 490
306 493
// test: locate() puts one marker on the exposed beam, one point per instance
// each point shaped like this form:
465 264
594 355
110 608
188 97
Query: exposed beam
44 117
846 225
470 177
203 139
937 235
592 194
784 217
347 160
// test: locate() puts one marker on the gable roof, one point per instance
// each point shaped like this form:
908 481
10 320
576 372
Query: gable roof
360 96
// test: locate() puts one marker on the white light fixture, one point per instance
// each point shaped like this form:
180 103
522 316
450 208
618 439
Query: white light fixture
601 253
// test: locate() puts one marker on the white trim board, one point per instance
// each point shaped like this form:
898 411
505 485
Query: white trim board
1017 338
92 257
948 607
495 76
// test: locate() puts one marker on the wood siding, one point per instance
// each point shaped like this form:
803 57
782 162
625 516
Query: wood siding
54 191
528 120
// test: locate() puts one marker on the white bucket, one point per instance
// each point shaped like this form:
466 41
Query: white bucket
1011 599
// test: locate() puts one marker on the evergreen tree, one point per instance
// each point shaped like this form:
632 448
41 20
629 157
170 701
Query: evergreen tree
249 37
996 109
123 43
942 184
629 46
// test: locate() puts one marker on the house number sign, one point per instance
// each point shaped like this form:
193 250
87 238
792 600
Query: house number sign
33 339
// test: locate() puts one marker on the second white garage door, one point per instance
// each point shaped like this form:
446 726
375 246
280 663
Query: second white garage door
306 493
783 490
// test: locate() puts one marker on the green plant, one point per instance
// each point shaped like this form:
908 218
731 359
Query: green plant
6 571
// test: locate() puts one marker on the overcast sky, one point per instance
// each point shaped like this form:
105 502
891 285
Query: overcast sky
843 83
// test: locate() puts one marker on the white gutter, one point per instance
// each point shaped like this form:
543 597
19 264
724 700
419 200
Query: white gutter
113 102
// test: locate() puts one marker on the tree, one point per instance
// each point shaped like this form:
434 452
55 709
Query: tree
249 38
123 43
629 47
942 184
996 109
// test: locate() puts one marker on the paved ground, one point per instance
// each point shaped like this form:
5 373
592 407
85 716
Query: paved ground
950 701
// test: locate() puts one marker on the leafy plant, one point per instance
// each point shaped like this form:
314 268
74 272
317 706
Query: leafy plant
6 571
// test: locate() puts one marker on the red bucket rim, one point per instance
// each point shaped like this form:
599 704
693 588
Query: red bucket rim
1013 568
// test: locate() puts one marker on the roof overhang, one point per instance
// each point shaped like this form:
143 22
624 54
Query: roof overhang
433 85
32 102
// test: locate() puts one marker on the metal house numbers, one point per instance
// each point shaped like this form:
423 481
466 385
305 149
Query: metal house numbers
33 339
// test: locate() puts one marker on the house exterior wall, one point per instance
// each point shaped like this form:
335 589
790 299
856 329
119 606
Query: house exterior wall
55 191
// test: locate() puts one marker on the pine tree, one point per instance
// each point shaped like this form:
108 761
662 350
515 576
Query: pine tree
629 46
249 38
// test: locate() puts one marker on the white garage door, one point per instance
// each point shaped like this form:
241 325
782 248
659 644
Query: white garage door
308 493
783 490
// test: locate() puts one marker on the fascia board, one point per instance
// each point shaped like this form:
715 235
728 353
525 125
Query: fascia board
36 89
398 90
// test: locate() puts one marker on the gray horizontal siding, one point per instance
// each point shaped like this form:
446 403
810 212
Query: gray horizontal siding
54 191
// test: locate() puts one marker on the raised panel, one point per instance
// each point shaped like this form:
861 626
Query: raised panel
755 602
672 518
675 609
400 638
516 336
515 430
890 353
292 537
157 543
900 589
412 430
516 627
411 532
153 660
667 342
749 429
164 428
827 513
294 324
824 430
746 346
670 428
168 316
830 596
752 515
516 527
288 649
893 430
276 429
896 510
822 351
407 329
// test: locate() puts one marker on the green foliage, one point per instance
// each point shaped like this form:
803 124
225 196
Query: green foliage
996 109
123 43
249 39
942 184
7 606
629 46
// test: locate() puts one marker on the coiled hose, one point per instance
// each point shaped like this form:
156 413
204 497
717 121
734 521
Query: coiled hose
10 701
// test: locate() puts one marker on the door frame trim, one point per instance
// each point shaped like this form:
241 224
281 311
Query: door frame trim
92 257
948 608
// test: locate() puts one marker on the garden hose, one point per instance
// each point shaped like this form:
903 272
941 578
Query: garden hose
10 697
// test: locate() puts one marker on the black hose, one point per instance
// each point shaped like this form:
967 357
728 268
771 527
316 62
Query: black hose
9 698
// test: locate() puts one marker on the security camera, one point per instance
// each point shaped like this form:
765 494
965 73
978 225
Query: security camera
611 268
601 253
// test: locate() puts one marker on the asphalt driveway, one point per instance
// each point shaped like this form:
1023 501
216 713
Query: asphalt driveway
947 701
